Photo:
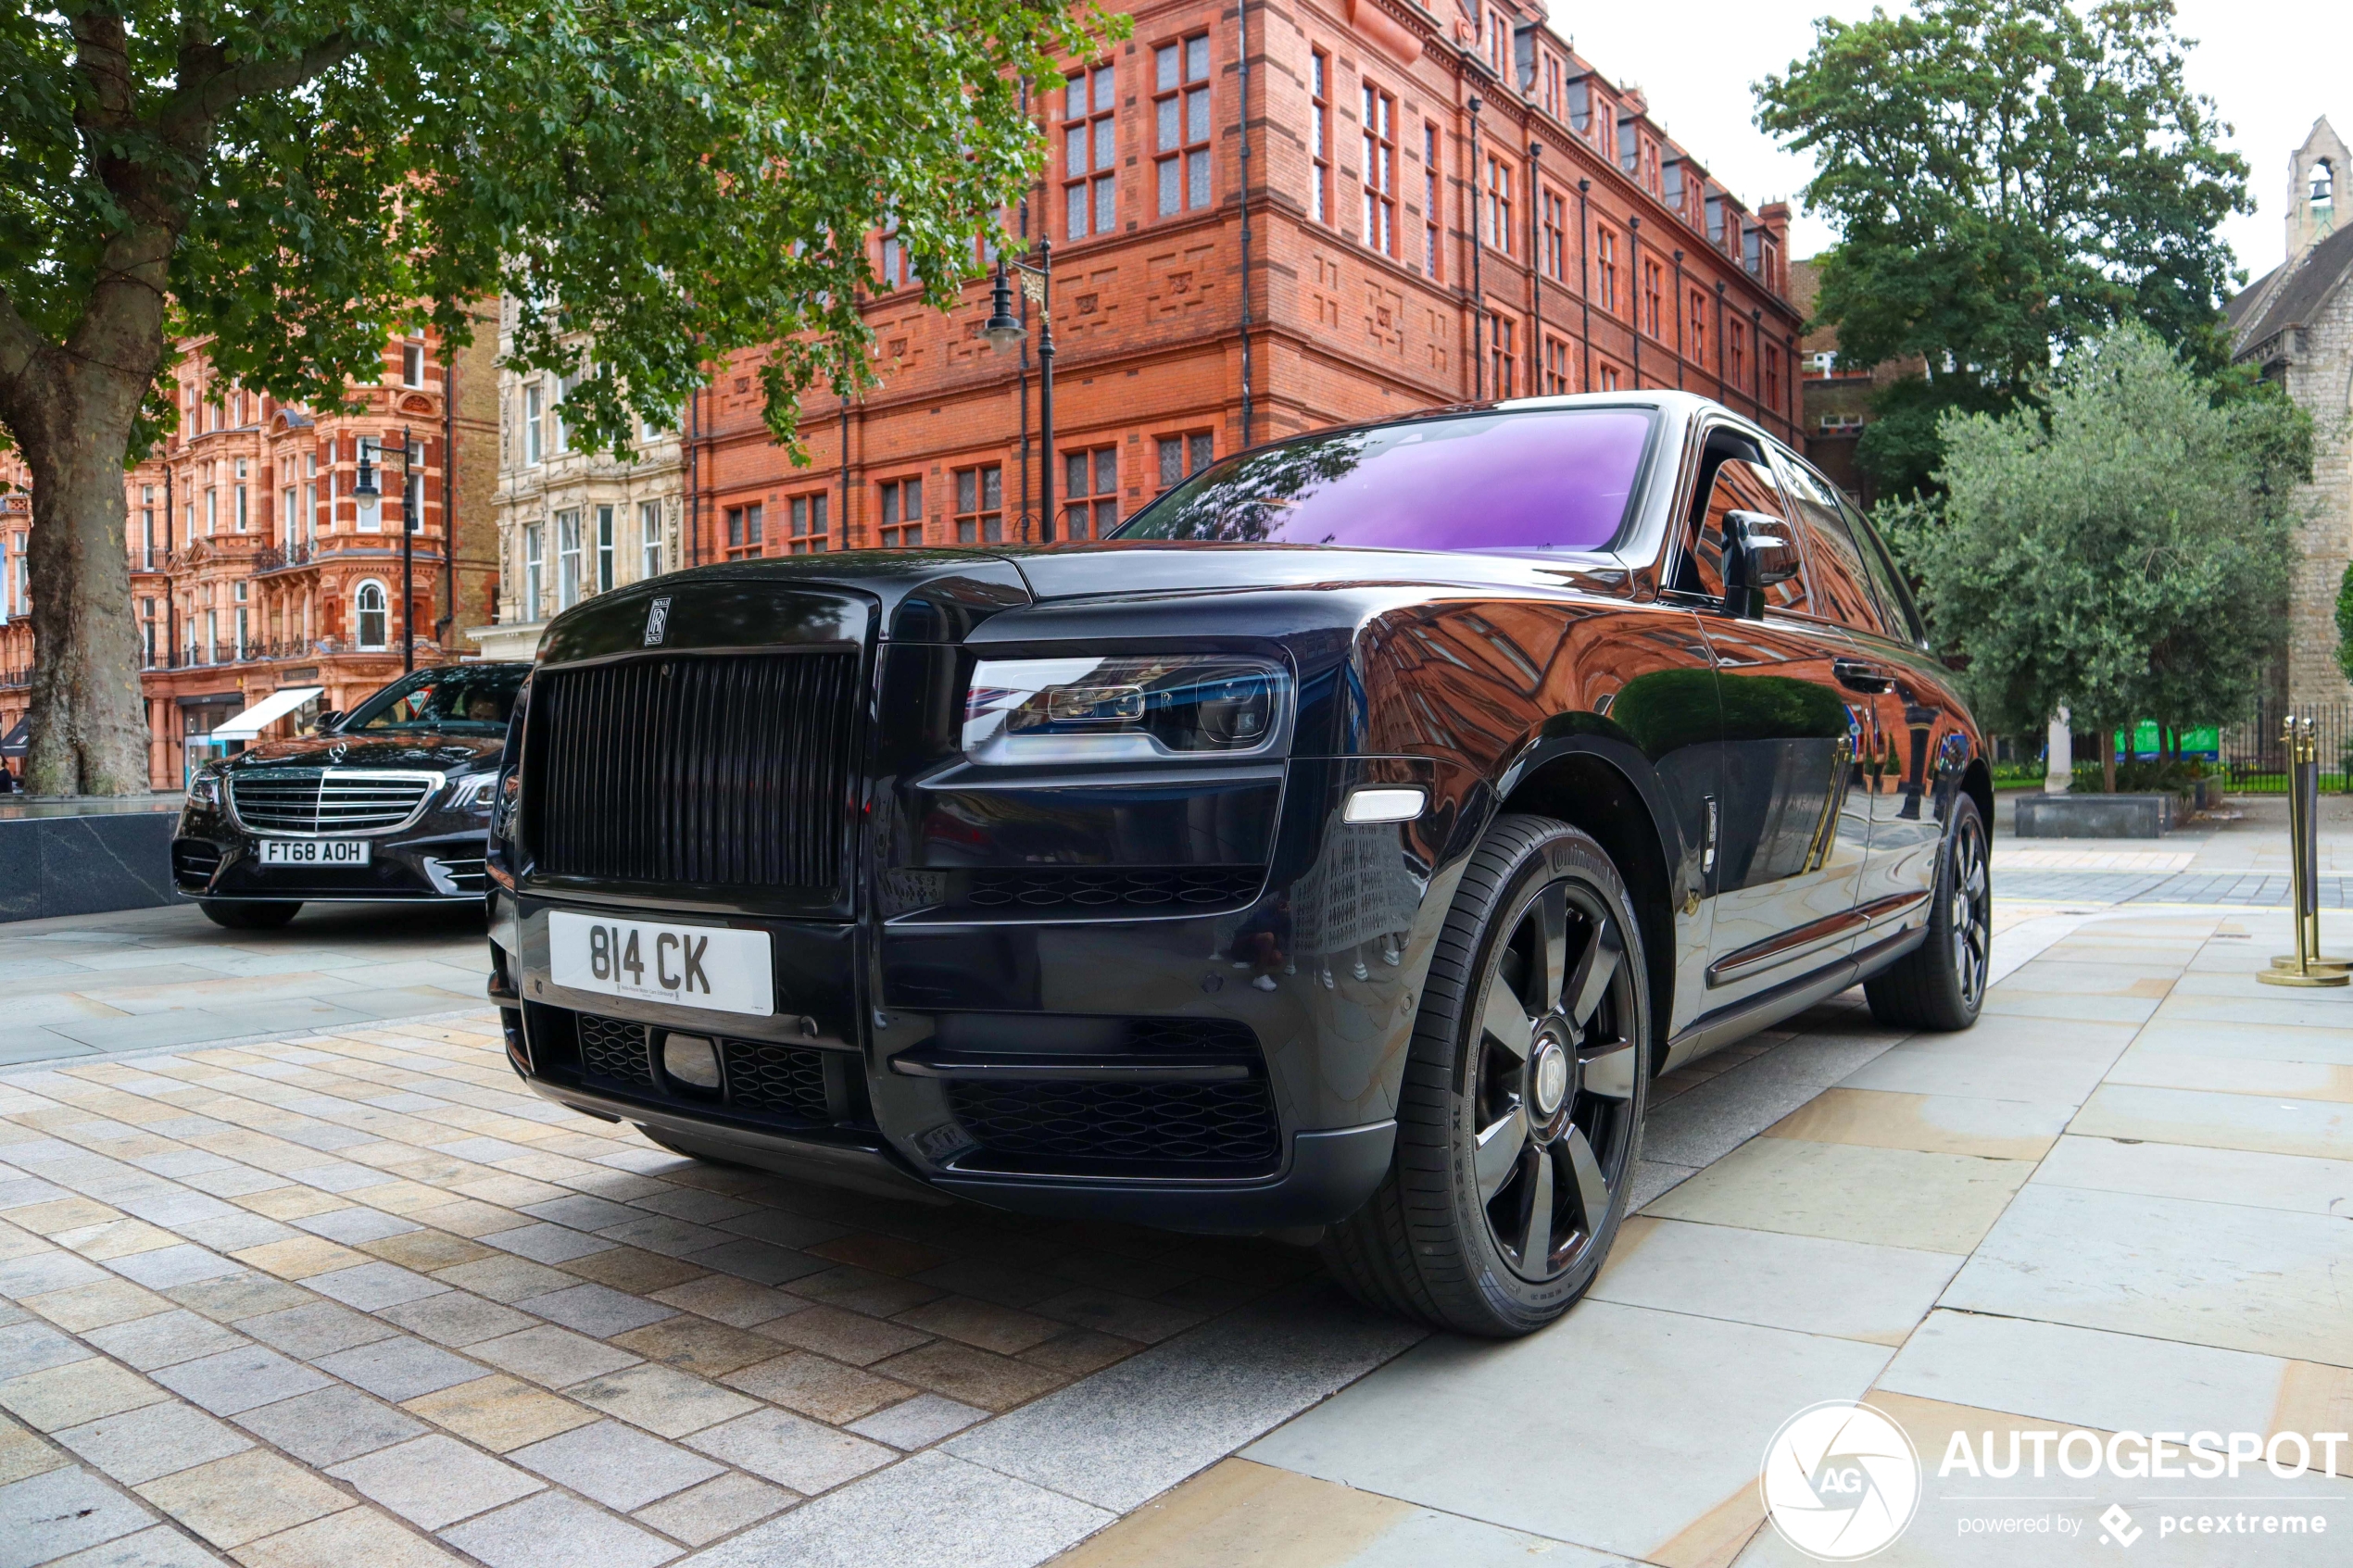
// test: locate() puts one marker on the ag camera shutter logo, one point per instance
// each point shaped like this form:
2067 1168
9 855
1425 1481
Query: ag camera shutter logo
1840 1481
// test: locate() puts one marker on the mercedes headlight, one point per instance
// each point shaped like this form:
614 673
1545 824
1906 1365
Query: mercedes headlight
473 794
1125 708
204 789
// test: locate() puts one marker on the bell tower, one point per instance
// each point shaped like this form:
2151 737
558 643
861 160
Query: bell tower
2317 173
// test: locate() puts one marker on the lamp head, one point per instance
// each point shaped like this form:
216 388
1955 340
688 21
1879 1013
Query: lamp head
1003 329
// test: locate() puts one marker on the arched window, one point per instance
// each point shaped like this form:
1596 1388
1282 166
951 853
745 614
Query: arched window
2323 183
374 614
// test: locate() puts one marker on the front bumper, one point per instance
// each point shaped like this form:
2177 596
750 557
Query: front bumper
437 859
1233 1070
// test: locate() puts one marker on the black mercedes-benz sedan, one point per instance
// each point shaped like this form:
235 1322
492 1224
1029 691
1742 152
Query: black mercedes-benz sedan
387 803
1339 851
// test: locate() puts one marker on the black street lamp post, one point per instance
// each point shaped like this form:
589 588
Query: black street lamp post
366 487
1004 331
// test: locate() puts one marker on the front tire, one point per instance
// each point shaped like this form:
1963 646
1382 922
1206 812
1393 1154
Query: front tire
1520 1120
242 915
1941 983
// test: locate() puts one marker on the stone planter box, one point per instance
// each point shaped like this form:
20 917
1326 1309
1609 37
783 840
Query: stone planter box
63 857
2094 816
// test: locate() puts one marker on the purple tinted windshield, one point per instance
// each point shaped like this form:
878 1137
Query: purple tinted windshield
1554 478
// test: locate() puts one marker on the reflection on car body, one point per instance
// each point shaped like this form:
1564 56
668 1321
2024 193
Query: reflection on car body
1341 848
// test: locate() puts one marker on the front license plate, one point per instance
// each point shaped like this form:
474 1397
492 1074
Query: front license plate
314 851
692 966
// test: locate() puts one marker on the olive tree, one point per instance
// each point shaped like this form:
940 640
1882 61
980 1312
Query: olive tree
293 180
2122 552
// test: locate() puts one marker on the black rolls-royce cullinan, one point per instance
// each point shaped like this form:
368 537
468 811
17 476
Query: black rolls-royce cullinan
387 804
1344 844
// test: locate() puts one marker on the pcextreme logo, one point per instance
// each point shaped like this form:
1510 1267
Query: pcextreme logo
1840 1481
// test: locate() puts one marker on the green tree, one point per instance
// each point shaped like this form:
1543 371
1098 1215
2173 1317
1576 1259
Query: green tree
2117 552
295 179
2008 178
2344 623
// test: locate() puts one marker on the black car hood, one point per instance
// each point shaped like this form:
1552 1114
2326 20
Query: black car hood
944 595
420 748
1160 566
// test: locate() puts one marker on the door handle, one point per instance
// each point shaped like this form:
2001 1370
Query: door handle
1856 675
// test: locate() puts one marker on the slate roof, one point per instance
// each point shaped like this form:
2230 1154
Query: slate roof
2274 302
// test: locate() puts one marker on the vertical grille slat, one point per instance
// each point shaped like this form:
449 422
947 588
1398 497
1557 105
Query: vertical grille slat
719 772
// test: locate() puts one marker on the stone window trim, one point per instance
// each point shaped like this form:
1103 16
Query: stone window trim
1183 454
1379 174
900 512
1089 151
980 503
371 615
806 524
1319 135
1181 124
1090 489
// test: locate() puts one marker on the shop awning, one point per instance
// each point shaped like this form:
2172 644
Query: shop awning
262 714
17 738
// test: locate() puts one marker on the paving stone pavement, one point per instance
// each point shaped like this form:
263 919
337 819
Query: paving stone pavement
2239 856
89 985
362 1297
2124 1202
356 1295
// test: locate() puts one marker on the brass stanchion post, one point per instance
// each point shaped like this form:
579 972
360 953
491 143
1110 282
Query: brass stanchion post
2304 966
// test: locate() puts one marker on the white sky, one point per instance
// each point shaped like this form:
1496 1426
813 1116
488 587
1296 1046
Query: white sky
2272 67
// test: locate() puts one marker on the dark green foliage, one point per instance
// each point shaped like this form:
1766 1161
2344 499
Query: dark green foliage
2008 178
2123 552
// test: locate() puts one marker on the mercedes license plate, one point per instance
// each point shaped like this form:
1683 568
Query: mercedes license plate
314 851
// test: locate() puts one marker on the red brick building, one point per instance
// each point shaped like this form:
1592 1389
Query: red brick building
258 563
1834 404
1266 219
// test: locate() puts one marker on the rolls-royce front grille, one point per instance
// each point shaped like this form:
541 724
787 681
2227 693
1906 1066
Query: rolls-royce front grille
709 771
329 800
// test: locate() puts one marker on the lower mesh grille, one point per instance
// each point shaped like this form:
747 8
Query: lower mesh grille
1130 889
194 861
614 1051
773 1081
1121 1128
777 1078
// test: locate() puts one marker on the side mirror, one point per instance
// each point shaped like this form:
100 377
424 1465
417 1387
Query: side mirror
328 718
1759 552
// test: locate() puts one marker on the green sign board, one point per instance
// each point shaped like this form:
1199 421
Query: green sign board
2203 742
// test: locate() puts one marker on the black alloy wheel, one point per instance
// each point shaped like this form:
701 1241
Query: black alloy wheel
1519 1120
1941 983
1554 1081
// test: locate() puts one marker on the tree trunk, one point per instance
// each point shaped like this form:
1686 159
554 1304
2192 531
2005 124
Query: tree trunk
89 733
2108 758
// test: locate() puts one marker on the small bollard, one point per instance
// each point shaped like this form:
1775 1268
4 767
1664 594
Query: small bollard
2304 966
